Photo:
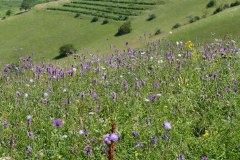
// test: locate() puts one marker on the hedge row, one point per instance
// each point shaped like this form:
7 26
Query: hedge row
109 5
102 10
124 12
117 18
126 2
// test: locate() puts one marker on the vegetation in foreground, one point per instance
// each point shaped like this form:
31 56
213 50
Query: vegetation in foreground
181 102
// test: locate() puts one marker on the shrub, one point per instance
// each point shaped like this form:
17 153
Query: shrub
158 31
219 9
194 19
235 4
124 29
105 21
9 12
211 3
95 19
177 25
77 15
3 18
151 17
65 50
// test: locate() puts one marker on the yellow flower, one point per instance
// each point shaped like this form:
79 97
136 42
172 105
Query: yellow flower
189 45
206 134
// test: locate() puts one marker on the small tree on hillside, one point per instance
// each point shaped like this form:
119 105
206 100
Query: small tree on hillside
124 29
8 13
26 4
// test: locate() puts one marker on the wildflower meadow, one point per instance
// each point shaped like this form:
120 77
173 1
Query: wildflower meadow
170 100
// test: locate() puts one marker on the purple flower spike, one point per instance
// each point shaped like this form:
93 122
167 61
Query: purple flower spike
227 89
58 123
134 134
106 139
88 150
30 135
165 136
167 125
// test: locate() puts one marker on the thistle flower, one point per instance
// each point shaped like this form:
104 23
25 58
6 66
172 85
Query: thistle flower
134 134
138 144
165 136
180 157
30 135
29 120
88 150
114 95
205 158
167 125
58 123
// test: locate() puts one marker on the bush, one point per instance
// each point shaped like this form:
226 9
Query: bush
8 13
151 17
235 4
158 32
95 19
124 29
105 21
194 19
3 18
219 9
177 25
77 15
66 50
211 3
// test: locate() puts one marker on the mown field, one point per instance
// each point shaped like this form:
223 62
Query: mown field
179 101
42 31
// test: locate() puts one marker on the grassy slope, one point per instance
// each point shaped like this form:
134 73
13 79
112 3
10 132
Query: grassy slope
42 31
219 25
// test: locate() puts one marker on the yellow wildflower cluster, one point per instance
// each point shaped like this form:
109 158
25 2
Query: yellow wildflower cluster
205 135
189 45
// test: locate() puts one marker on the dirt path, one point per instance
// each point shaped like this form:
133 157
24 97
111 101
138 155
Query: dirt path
51 4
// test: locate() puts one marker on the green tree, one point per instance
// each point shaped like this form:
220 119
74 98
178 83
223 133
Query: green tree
8 13
26 4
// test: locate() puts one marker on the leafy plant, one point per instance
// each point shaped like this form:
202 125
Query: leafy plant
151 17
66 50
124 29
177 25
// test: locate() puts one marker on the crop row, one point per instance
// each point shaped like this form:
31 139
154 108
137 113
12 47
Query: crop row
117 18
121 12
126 2
111 5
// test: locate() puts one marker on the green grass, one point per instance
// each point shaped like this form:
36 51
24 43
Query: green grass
43 32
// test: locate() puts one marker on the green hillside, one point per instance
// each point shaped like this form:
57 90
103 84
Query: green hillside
42 31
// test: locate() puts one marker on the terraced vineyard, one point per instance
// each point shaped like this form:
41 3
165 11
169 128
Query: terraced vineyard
109 9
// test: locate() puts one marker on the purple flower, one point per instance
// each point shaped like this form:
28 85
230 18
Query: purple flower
58 123
88 150
227 89
204 158
114 137
155 85
139 144
154 98
180 157
88 67
235 82
30 135
148 121
165 136
29 120
167 125
5 123
154 140
134 134
114 95
95 95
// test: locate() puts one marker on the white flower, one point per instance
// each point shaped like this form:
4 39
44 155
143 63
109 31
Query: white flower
177 43
65 90
151 58
146 100
142 53
179 55
91 113
25 95
74 69
170 32
64 136
159 94
160 61
81 132
31 80
45 94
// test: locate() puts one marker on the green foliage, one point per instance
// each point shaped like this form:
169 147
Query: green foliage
26 4
66 50
194 19
177 25
158 31
237 3
105 21
9 12
124 29
151 17
77 15
212 3
94 19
